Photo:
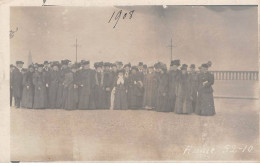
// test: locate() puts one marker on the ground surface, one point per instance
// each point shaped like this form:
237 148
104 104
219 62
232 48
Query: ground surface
106 135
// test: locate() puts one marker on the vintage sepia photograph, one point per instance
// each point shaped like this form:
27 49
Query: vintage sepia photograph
151 83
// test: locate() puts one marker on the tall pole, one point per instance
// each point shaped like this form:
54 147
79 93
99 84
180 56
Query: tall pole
76 50
171 49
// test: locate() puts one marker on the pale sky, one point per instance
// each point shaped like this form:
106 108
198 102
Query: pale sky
223 34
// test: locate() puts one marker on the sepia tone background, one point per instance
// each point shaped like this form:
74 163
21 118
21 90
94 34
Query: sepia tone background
226 35
199 33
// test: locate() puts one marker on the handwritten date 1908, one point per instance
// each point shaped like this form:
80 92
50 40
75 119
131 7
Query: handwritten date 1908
128 15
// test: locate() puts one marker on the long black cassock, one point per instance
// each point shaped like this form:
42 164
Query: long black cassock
108 85
40 93
70 95
59 100
17 86
150 90
28 90
53 88
183 103
205 103
99 92
162 104
135 91
47 76
85 88
174 77
194 87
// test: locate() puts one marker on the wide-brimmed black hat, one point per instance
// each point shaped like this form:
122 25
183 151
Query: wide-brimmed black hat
127 65
192 66
175 62
140 64
205 65
19 62
45 62
134 68
184 67
40 65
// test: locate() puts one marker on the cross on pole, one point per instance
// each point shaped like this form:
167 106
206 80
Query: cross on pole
76 45
171 46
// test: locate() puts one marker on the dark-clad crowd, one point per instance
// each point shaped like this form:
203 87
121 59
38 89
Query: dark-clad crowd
115 86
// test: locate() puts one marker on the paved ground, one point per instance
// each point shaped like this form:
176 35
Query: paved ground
105 135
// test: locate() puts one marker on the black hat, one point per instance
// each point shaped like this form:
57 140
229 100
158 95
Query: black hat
113 64
65 62
100 64
40 65
46 62
55 63
184 67
145 66
140 64
119 63
175 62
156 65
205 65
84 62
192 66
19 62
150 67
209 63
11 65
106 64
127 65
31 66
134 68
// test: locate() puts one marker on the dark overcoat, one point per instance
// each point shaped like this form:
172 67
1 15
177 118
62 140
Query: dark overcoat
205 103
183 103
174 77
53 88
40 93
28 90
150 90
163 93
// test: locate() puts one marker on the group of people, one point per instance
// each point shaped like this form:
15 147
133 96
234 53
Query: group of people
72 86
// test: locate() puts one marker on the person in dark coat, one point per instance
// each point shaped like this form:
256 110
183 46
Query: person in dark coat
108 84
135 89
40 93
120 101
194 85
174 76
150 89
17 83
183 103
99 92
28 89
64 69
86 78
71 89
113 78
12 67
46 71
54 85
162 90
205 104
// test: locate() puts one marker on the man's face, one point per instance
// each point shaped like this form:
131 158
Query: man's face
74 70
120 74
86 66
31 69
107 68
99 69
64 66
20 65
150 70
127 68
40 69
114 68
141 67
46 65
55 68
174 67
192 69
134 71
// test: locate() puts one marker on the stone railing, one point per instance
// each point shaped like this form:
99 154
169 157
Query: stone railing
235 75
